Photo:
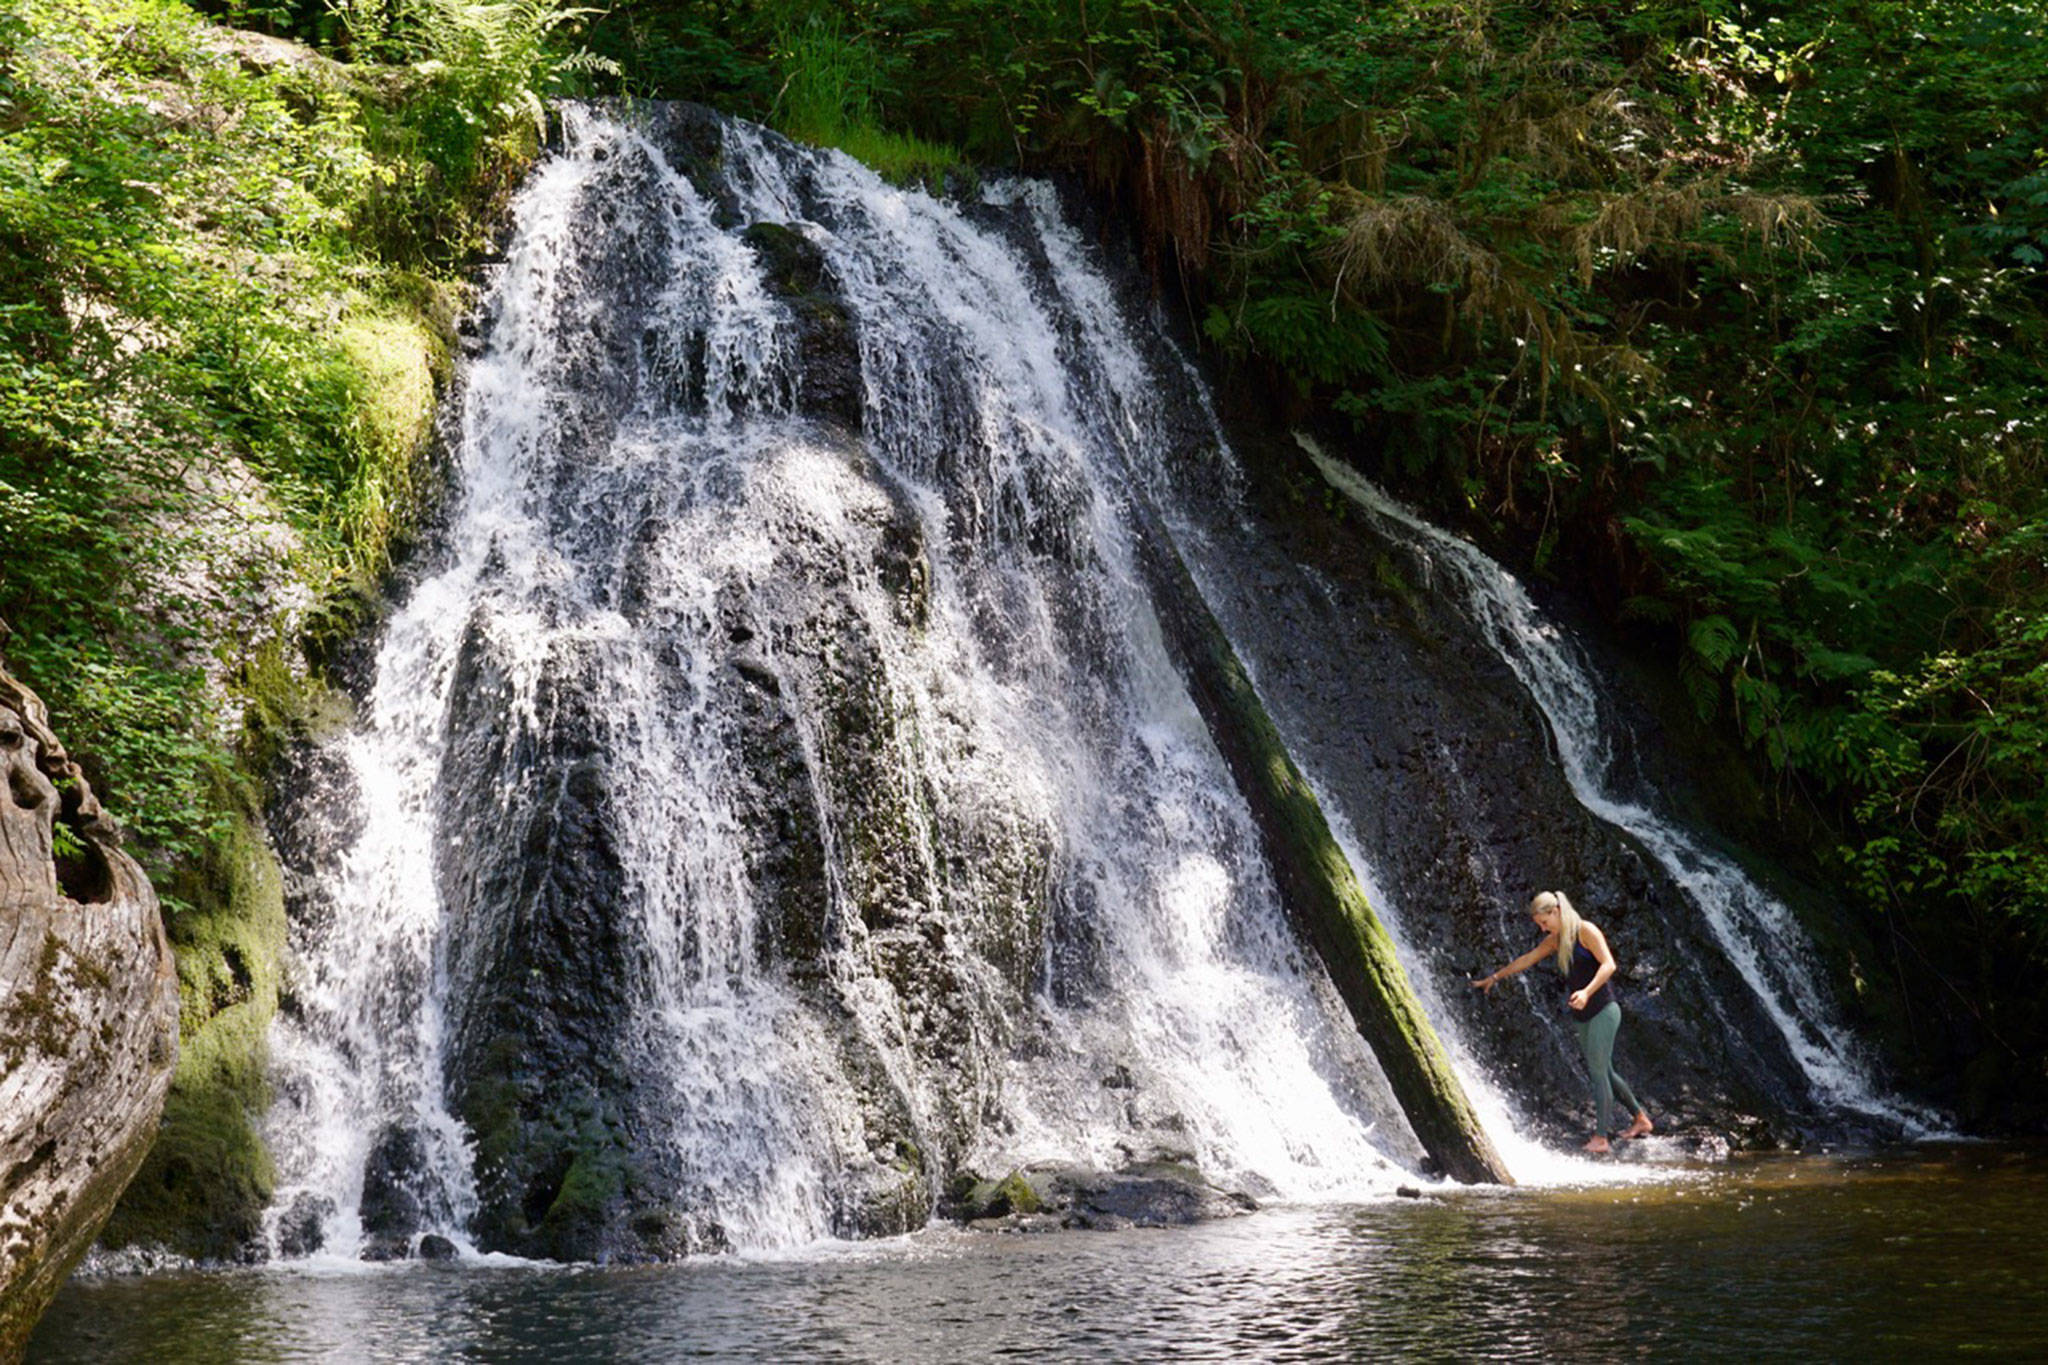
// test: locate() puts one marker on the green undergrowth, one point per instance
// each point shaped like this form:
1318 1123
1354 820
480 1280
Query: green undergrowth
829 97
228 275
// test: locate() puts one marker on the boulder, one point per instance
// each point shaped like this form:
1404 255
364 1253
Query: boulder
88 1015
1145 1194
390 1205
302 1227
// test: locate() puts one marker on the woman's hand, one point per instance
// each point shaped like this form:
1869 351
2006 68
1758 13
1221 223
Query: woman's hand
1487 983
1577 999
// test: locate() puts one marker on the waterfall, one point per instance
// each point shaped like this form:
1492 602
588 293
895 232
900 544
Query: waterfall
752 823
1757 931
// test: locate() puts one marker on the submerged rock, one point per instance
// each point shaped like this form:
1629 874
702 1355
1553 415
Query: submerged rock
977 1201
1152 1195
1147 1194
88 1015
381 1249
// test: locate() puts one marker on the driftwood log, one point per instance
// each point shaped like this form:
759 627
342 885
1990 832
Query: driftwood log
88 1016
1324 901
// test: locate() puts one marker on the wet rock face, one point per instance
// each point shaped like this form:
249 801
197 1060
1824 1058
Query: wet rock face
554 1060
1429 747
301 1227
829 384
540 1063
392 1176
717 927
88 1016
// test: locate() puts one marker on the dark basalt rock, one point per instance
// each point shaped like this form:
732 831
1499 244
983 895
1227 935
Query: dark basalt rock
1425 743
301 1229
390 1204
883 1198
829 383
541 1063
379 1250
317 815
547 1061
1422 741
1148 1194
88 1016
911 934
1153 1195
1320 890
692 137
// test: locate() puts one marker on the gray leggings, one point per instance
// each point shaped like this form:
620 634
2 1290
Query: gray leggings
1596 1038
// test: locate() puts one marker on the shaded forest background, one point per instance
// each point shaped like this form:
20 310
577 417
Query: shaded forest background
1728 317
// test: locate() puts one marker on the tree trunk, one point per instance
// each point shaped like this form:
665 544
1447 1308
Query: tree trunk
1324 900
88 1017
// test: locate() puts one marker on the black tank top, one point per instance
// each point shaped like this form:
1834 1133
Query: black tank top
1584 965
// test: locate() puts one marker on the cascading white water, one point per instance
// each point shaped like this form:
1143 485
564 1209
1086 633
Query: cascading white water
1035 745
364 1046
1131 404
1758 932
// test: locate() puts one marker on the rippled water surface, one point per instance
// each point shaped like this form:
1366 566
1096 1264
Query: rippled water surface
1881 1257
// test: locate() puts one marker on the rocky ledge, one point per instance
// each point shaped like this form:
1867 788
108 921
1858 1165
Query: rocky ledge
88 1015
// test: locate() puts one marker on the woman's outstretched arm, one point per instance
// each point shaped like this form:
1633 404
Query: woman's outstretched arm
1522 963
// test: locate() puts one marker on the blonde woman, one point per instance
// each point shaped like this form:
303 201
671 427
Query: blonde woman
1587 963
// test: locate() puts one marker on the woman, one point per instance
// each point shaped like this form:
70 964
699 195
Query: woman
1587 963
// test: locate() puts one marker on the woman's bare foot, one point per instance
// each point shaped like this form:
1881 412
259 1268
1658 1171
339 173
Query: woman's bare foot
1641 1127
1597 1145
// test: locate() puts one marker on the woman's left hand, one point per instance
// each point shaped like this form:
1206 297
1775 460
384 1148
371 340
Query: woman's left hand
1577 1000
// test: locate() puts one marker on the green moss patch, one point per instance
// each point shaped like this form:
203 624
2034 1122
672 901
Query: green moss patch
203 1187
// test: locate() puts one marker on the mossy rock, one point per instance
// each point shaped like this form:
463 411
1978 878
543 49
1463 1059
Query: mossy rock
590 1193
556 1172
1015 1194
971 1199
831 385
575 1191
204 1185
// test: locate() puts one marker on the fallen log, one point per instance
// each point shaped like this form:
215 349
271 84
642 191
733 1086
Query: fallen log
1324 901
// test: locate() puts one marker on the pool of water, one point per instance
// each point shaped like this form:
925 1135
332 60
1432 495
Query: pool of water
1883 1256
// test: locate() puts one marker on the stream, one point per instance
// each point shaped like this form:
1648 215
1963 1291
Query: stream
1898 1255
